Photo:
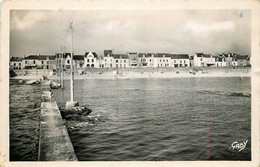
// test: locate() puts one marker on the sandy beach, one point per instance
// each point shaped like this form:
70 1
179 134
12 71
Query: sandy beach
148 73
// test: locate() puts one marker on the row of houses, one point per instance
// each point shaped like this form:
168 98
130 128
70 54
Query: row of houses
128 60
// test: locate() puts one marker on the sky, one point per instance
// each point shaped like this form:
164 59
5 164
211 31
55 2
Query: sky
167 31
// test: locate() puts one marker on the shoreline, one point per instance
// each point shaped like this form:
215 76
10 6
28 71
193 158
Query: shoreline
137 75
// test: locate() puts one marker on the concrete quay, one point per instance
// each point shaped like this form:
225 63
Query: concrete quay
54 141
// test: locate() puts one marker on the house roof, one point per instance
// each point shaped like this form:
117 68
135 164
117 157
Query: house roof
142 55
151 54
179 56
78 57
162 55
120 56
44 57
16 59
94 53
207 55
32 57
199 54
106 52
241 57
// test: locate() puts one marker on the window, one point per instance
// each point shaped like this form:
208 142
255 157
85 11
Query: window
167 60
116 61
19 64
163 60
174 61
150 60
34 62
42 62
105 60
184 61
88 60
68 61
25 62
124 61
180 61
200 59
14 64
92 60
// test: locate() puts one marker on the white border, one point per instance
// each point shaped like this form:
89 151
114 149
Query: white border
128 5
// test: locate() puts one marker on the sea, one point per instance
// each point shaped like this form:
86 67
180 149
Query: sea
176 119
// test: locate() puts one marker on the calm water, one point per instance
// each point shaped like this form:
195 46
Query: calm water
160 119
24 121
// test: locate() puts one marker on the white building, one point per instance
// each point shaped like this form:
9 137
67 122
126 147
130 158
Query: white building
203 60
133 59
90 59
108 59
15 63
180 60
163 59
39 62
121 61
220 61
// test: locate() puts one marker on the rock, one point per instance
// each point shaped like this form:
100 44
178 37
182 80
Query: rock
20 82
31 82
74 113
54 85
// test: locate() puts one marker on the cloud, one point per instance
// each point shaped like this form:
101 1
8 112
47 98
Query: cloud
27 20
198 27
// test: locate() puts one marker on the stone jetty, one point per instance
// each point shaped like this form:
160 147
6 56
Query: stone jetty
54 141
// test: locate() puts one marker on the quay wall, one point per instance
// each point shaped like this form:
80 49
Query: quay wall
54 141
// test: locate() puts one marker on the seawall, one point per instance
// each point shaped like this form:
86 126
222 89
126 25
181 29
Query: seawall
54 141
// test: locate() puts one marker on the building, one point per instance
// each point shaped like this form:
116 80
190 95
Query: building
180 60
133 59
220 61
143 59
90 59
163 59
15 63
39 62
78 61
209 60
120 61
108 59
242 60
204 60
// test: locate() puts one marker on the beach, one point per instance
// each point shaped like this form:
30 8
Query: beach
147 73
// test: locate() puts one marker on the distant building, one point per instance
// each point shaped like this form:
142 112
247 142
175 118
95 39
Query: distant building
180 60
78 61
143 59
163 59
91 60
121 60
242 60
39 62
220 61
204 60
133 59
108 59
15 63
